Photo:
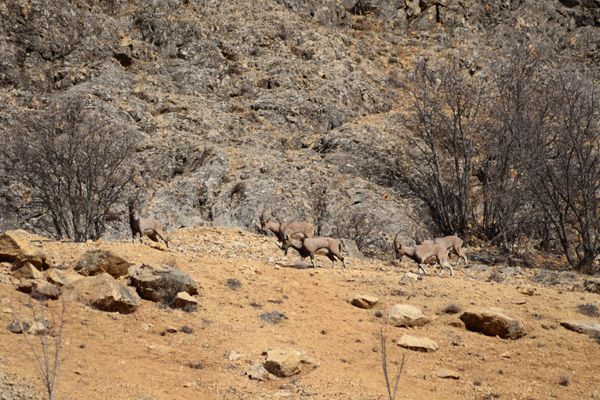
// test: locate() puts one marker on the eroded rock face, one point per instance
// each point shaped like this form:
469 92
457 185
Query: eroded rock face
288 362
102 292
95 262
16 247
493 321
405 315
161 283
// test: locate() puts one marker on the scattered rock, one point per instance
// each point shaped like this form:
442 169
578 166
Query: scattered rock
445 373
28 271
102 292
287 362
257 372
39 328
185 301
234 284
405 315
564 380
590 328
363 301
591 310
17 326
61 278
161 284
409 278
417 343
493 322
528 291
38 289
16 247
452 309
592 285
273 317
233 356
186 329
95 262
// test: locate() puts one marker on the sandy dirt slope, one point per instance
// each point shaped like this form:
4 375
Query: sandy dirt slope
114 356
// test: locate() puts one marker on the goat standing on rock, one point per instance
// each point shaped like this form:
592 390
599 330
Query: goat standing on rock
145 226
423 253
310 246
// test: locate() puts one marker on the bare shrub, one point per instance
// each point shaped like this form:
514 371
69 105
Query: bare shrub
591 310
46 352
444 115
74 163
391 382
363 228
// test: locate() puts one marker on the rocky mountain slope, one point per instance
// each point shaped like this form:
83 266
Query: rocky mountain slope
243 106
326 322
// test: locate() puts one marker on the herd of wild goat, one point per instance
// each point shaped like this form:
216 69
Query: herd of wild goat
301 237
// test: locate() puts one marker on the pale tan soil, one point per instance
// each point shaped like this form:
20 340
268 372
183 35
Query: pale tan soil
113 356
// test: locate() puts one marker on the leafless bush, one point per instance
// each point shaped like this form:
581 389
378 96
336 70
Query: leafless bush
444 114
363 228
46 352
391 383
74 163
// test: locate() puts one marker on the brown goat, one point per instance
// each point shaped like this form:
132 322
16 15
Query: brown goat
295 230
309 247
424 253
451 242
141 227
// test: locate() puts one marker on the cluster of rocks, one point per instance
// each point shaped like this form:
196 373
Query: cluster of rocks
101 279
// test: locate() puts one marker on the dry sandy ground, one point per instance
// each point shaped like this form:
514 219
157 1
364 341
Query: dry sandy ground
113 356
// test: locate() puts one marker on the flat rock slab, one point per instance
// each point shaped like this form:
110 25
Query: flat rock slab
445 373
364 301
16 247
161 283
288 362
590 328
102 292
417 343
492 321
95 262
405 315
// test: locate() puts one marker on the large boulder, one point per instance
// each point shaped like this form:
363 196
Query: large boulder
492 321
102 292
405 315
288 362
16 247
161 283
95 262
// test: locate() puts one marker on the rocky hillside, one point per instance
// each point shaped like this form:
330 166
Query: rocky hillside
242 106
223 314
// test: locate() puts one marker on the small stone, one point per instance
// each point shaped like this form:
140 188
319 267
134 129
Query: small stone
417 343
405 315
171 329
186 329
364 301
493 321
233 356
19 326
257 372
589 328
445 373
409 278
185 301
288 362
528 291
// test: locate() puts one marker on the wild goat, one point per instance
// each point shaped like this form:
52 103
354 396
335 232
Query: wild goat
310 246
145 226
423 253
453 243
296 230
